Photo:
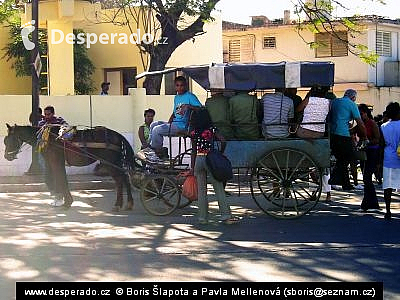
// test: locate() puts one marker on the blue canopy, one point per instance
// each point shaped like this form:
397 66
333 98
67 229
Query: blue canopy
260 76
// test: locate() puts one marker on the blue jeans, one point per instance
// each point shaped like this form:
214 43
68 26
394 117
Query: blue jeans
159 130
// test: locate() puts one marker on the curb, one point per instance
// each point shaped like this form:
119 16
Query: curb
27 183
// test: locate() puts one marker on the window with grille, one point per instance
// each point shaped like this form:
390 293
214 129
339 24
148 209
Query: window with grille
269 42
331 44
234 50
383 43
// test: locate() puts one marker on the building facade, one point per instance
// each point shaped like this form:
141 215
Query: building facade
279 40
114 53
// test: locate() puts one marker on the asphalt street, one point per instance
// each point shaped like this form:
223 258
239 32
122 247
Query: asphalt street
89 242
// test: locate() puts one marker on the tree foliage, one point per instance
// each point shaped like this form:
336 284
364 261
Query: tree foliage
172 22
319 19
21 60
83 68
8 11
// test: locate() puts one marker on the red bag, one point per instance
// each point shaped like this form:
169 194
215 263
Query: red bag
189 188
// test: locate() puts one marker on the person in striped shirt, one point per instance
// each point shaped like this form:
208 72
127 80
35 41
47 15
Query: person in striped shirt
278 114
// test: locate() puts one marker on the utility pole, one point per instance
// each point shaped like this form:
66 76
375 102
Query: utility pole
36 66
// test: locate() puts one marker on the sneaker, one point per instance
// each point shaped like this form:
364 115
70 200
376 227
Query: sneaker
153 159
147 150
388 216
57 202
206 221
231 220
359 187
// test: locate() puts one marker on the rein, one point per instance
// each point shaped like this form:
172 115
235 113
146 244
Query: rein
95 145
18 149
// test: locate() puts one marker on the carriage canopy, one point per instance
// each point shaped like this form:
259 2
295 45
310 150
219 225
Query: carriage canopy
258 76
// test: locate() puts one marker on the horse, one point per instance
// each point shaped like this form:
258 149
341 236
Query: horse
85 147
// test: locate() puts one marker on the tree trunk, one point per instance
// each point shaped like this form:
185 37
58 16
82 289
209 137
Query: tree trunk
158 60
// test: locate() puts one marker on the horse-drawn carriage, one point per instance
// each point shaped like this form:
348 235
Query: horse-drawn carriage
285 173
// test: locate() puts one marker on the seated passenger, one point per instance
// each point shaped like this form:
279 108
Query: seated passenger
144 129
292 94
218 107
315 108
184 101
278 113
244 111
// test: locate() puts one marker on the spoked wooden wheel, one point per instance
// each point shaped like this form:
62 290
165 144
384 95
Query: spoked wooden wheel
286 183
160 195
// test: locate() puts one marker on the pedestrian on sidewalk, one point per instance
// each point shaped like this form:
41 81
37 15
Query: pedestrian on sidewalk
391 159
344 110
368 167
203 135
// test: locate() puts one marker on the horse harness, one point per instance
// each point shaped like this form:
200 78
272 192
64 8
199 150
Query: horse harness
73 138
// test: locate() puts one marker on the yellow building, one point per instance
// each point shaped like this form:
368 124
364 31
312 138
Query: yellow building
111 48
267 41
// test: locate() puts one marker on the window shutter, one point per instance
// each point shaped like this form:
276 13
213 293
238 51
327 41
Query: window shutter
234 51
269 42
331 44
339 44
324 44
384 43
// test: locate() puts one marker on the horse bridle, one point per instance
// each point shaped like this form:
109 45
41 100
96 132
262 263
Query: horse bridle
19 142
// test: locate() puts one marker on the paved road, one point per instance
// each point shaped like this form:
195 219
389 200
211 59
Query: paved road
89 242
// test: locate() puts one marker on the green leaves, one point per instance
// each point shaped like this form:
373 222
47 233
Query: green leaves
21 59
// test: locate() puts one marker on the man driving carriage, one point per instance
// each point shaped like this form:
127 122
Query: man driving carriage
184 101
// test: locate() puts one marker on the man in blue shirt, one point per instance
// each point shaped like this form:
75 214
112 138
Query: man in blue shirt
343 110
184 102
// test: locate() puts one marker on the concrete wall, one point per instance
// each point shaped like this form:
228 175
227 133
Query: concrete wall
123 114
10 83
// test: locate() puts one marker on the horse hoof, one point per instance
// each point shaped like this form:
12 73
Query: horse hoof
128 207
67 204
116 208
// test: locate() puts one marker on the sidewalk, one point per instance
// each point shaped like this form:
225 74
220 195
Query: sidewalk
35 183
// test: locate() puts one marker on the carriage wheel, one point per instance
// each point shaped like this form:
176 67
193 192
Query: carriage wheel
286 183
181 163
160 195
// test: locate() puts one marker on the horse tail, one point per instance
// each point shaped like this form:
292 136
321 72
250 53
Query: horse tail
127 154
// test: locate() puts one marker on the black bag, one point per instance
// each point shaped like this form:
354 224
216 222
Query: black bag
360 154
219 165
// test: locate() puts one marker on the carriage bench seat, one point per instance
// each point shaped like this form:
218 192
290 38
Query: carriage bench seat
183 134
